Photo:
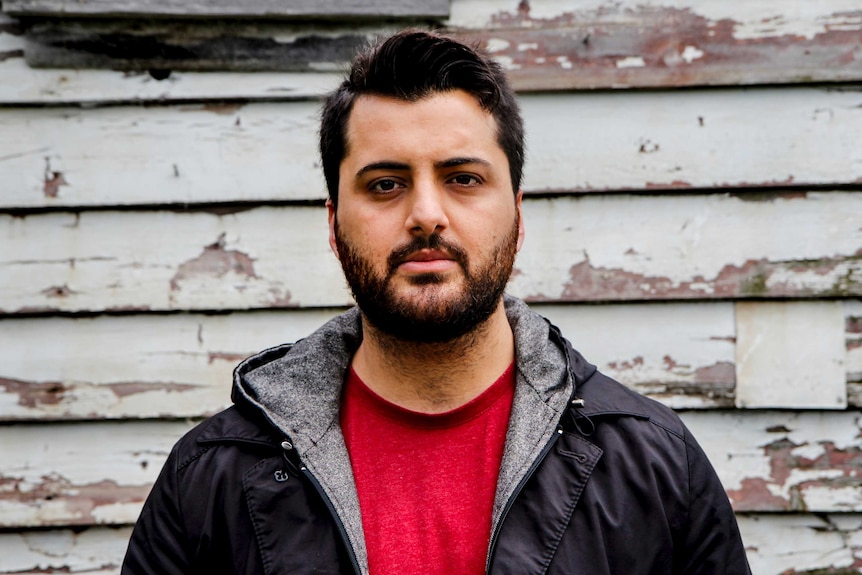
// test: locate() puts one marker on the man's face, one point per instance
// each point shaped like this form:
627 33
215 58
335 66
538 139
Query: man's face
427 224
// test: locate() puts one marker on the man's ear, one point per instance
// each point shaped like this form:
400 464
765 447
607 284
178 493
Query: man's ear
330 207
518 199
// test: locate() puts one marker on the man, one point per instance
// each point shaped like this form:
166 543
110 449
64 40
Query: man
440 427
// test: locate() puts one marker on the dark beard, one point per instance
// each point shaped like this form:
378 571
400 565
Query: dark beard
438 320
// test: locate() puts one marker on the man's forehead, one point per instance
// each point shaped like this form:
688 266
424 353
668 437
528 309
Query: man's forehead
372 114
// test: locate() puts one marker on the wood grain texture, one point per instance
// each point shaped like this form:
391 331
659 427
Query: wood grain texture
230 8
555 44
544 45
195 45
166 366
791 355
705 247
784 460
93 551
180 365
644 141
802 544
56 475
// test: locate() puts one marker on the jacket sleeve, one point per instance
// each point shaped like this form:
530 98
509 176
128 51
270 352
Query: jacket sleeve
712 544
158 542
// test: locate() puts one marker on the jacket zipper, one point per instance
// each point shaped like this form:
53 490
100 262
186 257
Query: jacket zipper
517 491
341 530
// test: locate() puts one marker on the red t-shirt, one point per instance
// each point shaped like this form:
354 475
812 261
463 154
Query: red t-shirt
426 482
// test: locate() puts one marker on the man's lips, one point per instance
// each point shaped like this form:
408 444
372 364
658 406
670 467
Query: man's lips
428 261
428 256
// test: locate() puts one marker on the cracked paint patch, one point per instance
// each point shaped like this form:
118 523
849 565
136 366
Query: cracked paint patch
753 278
801 473
33 394
215 261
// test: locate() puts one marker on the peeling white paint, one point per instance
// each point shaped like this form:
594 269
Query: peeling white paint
564 62
497 45
527 46
812 376
690 54
631 62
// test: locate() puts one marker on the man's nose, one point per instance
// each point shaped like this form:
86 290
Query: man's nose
427 208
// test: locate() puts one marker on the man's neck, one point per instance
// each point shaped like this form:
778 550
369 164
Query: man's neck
435 377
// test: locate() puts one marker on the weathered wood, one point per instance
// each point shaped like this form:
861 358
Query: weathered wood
93 551
584 142
784 461
180 365
853 319
776 545
803 544
54 475
231 8
791 355
200 46
545 46
58 475
555 44
674 247
168 366
25 85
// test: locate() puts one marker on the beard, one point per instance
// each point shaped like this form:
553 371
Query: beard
440 316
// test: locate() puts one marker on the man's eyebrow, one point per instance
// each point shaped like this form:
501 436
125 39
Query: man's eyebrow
455 162
384 165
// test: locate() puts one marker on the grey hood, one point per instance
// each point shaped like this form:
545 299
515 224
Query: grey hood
298 389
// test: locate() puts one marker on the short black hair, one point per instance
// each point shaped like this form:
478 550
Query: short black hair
411 65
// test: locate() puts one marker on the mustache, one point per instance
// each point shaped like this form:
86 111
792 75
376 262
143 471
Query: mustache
433 242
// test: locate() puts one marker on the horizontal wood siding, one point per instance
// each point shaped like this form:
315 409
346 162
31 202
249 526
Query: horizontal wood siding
228 8
586 142
686 247
162 217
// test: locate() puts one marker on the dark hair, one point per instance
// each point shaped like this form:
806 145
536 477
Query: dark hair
411 65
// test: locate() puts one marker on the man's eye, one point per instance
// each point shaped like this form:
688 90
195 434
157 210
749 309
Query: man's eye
384 186
465 180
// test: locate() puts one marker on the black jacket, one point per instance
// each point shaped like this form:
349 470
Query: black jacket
613 485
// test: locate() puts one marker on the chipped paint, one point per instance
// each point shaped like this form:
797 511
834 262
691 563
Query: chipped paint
753 278
32 394
215 262
631 62
677 43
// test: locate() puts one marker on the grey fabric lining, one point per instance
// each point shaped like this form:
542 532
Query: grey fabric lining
300 393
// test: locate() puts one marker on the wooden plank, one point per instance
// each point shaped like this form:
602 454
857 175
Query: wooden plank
707 247
791 355
776 545
853 327
24 85
181 365
545 46
802 544
555 44
231 8
56 475
194 45
91 551
168 366
116 156
782 460
680 354
62 157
